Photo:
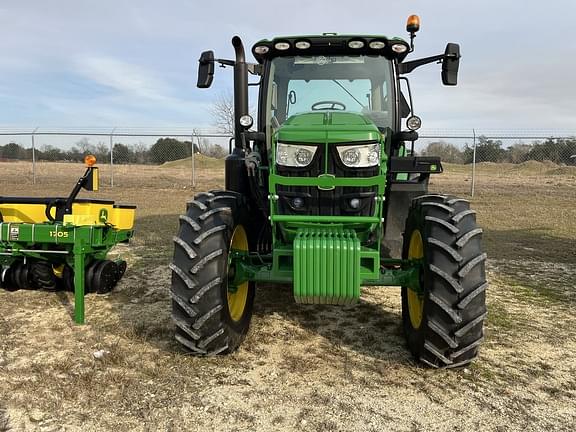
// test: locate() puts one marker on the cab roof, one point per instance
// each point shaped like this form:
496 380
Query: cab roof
330 44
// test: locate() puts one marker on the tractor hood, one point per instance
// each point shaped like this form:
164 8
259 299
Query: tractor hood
328 127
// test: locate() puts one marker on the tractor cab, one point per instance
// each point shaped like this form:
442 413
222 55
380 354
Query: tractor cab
330 106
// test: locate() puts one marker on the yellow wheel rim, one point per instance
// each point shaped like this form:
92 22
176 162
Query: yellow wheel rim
415 300
237 299
58 271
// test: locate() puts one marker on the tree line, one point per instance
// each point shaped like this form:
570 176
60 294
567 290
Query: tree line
557 150
560 151
163 150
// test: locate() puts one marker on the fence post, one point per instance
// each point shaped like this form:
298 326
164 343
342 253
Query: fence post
193 178
194 162
473 186
112 158
34 157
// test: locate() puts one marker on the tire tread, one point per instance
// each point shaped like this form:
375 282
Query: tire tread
455 305
199 308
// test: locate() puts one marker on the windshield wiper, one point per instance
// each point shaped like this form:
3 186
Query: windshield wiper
351 95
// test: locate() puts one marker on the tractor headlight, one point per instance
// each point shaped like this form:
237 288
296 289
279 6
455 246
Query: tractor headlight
302 44
282 46
377 44
359 156
294 155
246 121
399 48
303 156
356 44
261 49
351 157
414 123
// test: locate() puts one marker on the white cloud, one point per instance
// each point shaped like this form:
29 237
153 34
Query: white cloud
123 77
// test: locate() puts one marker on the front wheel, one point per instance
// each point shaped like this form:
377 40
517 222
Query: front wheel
211 311
443 310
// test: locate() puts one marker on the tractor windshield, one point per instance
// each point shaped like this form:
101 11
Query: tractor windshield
357 83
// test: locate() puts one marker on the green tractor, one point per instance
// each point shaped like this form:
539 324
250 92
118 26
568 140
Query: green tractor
326 194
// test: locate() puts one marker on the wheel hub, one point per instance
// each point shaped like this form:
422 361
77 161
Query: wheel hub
415 294
237 292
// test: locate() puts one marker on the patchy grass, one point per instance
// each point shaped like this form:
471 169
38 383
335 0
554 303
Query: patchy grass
201 162
302 367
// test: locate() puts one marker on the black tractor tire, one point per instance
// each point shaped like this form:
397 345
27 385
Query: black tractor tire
68 279
452 281
42 276
199 290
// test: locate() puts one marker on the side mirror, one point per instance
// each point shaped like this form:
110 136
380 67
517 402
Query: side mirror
205 69
450 64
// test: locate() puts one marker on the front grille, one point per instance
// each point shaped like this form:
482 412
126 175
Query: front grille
319 202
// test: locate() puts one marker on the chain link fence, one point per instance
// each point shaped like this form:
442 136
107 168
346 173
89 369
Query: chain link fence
502 152
473 151
116 149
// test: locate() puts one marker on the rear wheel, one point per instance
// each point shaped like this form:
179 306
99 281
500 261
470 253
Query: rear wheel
443 312
211 312
42 275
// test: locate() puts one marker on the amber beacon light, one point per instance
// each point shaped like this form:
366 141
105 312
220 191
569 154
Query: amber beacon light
90 160
413 24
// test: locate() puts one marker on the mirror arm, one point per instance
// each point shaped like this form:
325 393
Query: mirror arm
224 62
405 136
407 67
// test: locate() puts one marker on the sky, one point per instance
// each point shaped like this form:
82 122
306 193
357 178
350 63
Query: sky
119 63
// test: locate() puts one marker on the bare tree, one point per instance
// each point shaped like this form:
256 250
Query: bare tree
140 152
84 145
204 145
223 112
208 148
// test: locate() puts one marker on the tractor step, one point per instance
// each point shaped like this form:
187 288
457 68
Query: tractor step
326 266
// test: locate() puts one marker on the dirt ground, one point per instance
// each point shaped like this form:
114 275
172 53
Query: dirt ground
305 368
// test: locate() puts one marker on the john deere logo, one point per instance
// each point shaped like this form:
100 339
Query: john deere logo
103 216
326 181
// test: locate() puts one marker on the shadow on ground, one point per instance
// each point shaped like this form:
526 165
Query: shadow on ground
143 305
535 244
367 328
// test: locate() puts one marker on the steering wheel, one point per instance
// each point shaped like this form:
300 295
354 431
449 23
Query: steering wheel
333 105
